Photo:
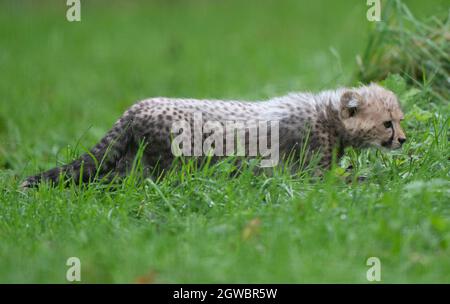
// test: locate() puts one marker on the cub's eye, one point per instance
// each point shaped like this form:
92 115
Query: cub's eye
387 124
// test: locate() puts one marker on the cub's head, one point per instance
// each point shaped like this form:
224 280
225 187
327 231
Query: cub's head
371 116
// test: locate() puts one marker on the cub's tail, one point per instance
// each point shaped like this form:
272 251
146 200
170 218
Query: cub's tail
100 160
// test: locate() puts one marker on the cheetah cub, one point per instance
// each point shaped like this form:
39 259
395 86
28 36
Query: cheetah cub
324 122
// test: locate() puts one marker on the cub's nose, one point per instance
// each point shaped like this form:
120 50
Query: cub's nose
401 140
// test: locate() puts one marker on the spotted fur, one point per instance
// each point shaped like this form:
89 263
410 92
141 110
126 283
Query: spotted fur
326 121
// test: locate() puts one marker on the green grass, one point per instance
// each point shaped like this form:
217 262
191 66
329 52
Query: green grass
62 85
416 48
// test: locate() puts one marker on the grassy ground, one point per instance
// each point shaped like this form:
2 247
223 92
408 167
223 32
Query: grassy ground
62 85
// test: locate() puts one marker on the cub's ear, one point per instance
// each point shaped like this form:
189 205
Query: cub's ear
350 103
